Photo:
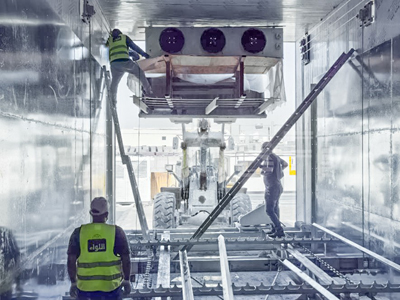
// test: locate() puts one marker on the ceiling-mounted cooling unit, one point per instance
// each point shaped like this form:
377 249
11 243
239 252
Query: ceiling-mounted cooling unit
212 41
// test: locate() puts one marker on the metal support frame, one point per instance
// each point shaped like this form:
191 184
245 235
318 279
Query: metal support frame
248 290
361 248
168 78
318 272
263 107
187 290
323 291
225 274
273 143
241 78
242 95
164 265
126 160
232 243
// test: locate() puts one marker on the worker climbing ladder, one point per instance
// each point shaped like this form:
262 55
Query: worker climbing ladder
126 160
272 144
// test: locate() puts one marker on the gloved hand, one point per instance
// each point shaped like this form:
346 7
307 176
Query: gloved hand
126 285
73 290
146 55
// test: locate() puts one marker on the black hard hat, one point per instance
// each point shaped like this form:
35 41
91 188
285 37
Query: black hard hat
116 32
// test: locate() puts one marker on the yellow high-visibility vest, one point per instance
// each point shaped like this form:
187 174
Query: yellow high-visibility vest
118 48
99 269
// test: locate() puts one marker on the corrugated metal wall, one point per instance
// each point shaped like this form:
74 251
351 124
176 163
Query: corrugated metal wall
52 120
349 142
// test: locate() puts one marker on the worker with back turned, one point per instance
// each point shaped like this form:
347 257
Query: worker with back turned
99 258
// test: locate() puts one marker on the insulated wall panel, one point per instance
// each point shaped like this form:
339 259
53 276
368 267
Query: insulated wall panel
357 127
52 120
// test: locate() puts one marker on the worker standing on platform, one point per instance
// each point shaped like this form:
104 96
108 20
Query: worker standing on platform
99 258
120 62
9 264
272 170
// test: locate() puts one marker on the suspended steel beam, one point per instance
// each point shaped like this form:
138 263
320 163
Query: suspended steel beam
273 143
323 291
187 290
225 274
361 248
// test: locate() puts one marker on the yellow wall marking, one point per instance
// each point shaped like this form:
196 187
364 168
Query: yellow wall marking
291 172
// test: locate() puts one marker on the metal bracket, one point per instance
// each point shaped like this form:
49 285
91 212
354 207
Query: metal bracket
367 14
213 105
139 103
87 11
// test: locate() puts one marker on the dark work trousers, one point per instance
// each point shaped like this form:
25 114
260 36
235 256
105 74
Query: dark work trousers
119 68
273 191
113 295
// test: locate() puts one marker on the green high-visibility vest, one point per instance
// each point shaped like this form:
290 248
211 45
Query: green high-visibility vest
118 48
99 269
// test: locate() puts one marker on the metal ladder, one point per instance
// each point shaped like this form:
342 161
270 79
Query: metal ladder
273 143
126 160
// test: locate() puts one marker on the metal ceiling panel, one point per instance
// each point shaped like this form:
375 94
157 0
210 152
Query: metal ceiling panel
296 17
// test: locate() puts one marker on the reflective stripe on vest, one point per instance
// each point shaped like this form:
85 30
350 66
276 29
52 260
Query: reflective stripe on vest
118 48
99 269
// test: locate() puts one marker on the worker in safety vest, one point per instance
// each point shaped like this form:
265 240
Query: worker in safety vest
120 62
272 170
99 258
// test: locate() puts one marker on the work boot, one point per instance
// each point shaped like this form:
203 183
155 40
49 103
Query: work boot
278 233
271 231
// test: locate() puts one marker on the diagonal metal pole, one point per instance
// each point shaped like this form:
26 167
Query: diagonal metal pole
225 273
273 143
322 290
126 160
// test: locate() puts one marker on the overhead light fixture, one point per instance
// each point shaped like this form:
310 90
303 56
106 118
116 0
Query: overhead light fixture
213 40
171 40
253 40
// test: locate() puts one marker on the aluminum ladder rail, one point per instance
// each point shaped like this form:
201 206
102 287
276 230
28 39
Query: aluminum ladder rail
126 160
273 143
